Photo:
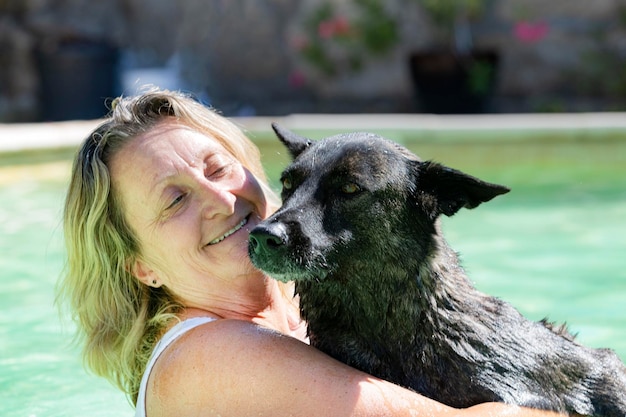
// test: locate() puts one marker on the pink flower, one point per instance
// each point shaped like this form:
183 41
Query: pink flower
342 25
326 29
530 32
332 27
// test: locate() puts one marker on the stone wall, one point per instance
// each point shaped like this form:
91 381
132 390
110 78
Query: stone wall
242 55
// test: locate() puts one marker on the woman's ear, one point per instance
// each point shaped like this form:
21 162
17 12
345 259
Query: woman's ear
144 273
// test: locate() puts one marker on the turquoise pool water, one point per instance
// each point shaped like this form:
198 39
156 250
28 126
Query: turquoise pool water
555 246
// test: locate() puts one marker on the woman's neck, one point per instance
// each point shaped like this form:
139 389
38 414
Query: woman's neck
283 313
274 308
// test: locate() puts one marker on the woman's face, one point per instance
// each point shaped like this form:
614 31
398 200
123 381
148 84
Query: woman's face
191 205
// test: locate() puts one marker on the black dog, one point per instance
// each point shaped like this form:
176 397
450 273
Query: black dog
383 292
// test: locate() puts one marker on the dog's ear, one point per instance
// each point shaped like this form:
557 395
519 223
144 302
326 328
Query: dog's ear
295 143
444 190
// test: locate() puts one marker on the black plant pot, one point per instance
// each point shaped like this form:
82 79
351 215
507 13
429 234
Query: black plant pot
449 83
77 77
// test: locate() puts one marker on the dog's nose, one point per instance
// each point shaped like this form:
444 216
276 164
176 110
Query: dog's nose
268 237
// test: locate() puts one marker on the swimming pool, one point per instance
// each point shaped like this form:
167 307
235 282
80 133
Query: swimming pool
553 247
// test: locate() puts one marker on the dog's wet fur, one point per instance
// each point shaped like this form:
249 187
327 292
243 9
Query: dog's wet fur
382 291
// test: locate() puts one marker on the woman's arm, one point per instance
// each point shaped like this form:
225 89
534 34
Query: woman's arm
235 368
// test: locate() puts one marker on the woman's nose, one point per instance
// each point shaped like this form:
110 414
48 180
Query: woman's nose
218 200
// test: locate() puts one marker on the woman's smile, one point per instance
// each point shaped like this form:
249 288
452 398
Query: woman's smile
230 232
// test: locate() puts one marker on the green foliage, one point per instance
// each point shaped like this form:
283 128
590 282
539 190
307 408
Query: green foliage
480 77
445 12
378 29
342 41
337 44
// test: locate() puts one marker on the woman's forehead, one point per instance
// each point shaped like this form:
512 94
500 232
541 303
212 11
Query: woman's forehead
148 159
170 142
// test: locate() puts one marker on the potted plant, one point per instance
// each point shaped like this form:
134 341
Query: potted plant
339 39
454 76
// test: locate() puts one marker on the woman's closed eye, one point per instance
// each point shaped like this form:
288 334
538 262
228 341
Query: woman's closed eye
176 201
217 172
217 166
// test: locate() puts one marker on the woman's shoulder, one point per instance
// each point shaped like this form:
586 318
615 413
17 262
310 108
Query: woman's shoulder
209 337
208 340
210 364
214 342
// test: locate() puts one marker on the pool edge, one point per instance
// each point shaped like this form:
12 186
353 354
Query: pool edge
39 136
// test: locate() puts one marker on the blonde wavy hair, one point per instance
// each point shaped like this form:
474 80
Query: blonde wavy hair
119 319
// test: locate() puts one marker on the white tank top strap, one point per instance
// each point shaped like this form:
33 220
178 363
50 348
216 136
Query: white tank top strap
168 338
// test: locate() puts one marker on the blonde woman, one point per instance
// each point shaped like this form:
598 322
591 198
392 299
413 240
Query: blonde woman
167 304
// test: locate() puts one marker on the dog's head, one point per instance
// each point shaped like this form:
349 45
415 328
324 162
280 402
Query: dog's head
356 199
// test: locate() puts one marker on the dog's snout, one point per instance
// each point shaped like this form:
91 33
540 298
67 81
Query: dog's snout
268 237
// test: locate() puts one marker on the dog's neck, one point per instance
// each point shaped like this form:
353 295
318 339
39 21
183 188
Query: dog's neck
360 303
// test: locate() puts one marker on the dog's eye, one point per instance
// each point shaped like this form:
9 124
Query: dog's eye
350 188
287 183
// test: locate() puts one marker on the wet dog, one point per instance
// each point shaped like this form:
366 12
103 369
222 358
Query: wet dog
383 292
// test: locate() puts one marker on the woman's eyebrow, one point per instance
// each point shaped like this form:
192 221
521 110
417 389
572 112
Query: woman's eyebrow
159 181
160 185
172 170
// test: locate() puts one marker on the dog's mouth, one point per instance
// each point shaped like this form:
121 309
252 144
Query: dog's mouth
230 232
284 268
298 275
283 251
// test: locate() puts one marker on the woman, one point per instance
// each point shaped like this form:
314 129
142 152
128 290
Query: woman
169 308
